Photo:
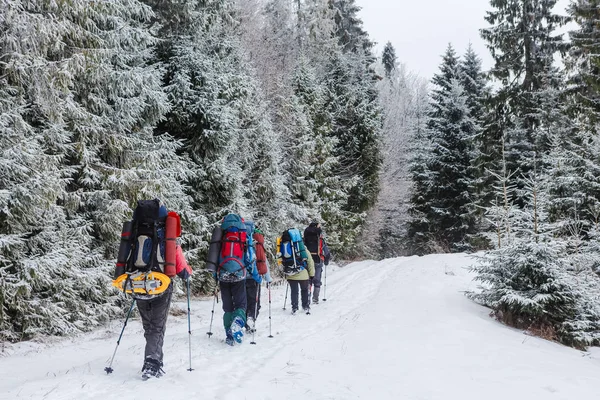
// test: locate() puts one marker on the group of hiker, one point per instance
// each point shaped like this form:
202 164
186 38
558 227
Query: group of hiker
150 255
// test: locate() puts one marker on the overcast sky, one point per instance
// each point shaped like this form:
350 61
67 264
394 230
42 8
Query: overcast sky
421 30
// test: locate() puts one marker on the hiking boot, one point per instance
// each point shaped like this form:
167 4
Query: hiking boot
251 325
306 309
294 311
315 301
229 340
152 369
237 329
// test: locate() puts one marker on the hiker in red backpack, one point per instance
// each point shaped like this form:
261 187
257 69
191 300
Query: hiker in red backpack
314 239
229 259
150 249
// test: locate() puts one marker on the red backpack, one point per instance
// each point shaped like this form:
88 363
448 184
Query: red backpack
233 248
261 255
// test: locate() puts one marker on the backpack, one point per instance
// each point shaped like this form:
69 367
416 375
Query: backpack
313 239
261 254
234 244
148 237
291 249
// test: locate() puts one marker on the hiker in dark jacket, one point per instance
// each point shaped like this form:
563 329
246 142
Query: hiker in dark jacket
314 239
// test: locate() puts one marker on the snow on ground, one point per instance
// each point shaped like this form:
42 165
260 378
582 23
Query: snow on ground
396 329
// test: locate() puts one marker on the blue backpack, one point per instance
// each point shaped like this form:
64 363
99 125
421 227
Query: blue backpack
292 251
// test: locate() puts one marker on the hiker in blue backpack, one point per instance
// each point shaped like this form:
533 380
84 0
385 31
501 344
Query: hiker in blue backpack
315 243
230 266
298 267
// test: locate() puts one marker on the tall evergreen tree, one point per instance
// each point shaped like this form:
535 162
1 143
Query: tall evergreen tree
523 42
583 61
446 205
349 27
87 108
388 59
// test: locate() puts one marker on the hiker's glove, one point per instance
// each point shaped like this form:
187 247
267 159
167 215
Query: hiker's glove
184 274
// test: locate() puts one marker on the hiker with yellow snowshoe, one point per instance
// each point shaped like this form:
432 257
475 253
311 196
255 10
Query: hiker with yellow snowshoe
149 256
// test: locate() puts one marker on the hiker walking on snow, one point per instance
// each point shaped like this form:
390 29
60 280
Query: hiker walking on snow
298 267
144 251
230 257
254 280
314 239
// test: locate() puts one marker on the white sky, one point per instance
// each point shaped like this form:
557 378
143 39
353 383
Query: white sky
421 30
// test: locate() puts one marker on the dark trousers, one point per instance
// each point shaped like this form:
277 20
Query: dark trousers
233 295
318 273
294 286
154 313
252 290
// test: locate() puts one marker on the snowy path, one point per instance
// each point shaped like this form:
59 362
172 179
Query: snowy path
395 329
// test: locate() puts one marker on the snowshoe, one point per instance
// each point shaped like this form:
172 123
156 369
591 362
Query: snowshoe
237 329
152 369
294 310
229 340
315 301
306 310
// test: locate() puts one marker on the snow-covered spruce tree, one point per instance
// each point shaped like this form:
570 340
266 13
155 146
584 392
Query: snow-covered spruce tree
476 91
388 59
583 62
535 280
55 277
349 27
446 204
356 126
523 42
117 159
219 115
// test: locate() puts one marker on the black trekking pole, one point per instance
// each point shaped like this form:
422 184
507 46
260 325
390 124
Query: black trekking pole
109 368
255 312
189 325
325 288
286 293
209 333
269 287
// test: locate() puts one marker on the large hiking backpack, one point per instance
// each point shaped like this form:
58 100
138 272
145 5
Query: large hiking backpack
148 237
234 244
147 253
261 254
291 248
313 239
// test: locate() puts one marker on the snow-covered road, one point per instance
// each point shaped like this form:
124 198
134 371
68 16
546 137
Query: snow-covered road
395 329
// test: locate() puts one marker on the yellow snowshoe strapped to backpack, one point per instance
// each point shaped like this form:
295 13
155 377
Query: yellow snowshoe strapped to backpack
143 283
